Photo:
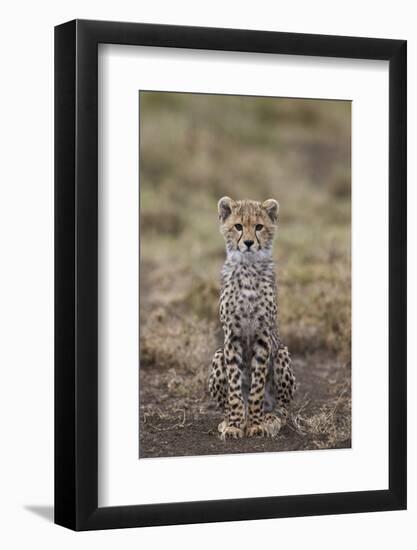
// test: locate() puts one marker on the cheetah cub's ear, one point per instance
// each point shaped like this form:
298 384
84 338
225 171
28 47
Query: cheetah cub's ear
224 206
272 207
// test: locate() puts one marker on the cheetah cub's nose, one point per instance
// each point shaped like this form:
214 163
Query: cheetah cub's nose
248 243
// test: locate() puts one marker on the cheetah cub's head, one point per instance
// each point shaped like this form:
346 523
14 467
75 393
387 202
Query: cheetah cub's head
248 227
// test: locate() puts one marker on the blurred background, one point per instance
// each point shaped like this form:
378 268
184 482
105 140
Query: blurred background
195 149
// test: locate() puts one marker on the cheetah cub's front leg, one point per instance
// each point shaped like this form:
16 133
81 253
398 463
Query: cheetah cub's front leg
225 387
219 391
233 425
260 424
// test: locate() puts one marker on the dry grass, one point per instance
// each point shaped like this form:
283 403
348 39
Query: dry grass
195 149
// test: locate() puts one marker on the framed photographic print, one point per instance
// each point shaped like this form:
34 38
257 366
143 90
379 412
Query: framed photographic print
230 253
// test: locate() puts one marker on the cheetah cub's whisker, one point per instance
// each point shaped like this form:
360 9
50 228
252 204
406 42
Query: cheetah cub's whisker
251 376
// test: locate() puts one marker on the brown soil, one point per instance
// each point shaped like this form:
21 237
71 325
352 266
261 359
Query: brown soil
174 423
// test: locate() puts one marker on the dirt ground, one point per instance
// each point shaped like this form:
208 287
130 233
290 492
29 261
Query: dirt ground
320 416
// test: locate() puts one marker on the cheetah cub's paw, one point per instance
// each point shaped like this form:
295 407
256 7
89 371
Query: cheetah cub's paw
269 427
228 432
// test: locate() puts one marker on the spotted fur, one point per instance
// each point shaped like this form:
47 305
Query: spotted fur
251 376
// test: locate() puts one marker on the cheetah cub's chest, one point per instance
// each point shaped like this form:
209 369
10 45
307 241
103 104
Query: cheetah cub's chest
248 296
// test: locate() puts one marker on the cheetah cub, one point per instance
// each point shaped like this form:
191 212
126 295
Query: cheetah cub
251 376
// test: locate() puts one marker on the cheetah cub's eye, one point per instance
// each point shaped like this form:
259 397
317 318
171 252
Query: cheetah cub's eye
259 226
239 227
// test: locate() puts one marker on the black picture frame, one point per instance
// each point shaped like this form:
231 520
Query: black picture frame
76 273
